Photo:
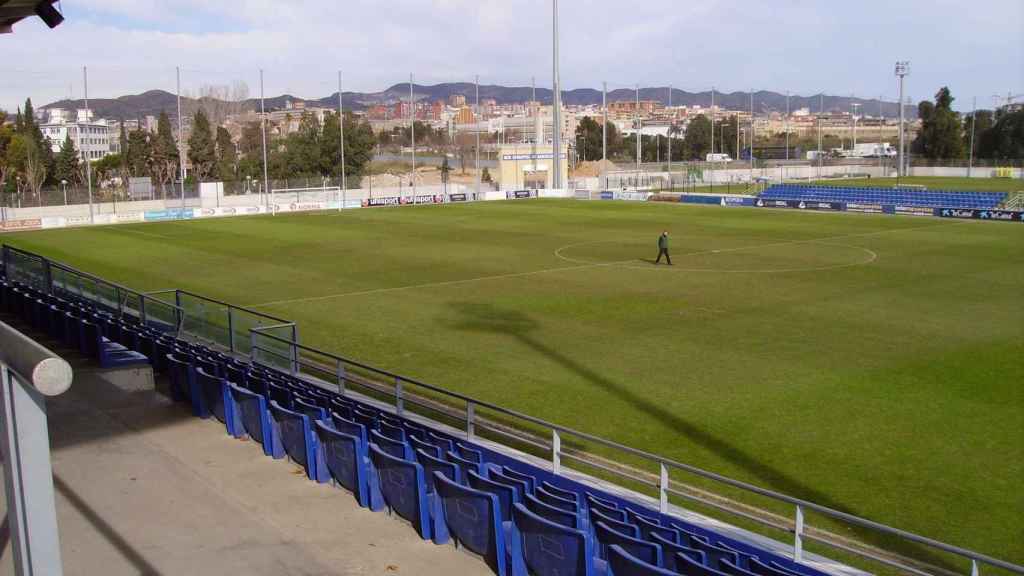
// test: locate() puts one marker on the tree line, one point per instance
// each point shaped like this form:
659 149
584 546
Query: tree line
946 134
27 160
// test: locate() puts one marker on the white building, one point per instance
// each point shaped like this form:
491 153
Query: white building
93 139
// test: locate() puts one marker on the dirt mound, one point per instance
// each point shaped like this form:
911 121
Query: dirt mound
592 169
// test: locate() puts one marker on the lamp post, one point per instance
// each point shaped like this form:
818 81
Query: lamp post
902 69
64 183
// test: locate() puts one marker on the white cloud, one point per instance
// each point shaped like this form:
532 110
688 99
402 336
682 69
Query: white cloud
802 45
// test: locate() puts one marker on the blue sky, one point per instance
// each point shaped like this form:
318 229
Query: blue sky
804 46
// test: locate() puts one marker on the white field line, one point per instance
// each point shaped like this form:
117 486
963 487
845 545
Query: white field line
154 235
580 266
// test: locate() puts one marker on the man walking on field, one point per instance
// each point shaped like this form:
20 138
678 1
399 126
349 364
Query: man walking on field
663 248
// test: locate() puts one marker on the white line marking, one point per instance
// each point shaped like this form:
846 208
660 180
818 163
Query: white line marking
580 266
130 231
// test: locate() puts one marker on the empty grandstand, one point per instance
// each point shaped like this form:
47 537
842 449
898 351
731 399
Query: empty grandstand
886 196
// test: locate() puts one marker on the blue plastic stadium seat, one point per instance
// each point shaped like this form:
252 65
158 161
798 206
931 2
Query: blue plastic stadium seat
546 548
344 457
392 447
670 548
531 482
507 495
715 554
622 563
604 510
734 570
404 489
445 444
623 527
297 437
468 453
473 518
561 493
216 399
686 565
253 419
646 551
648 528
391 431
466 465
431 464
549 512
550 499
518 485
430 449
309 407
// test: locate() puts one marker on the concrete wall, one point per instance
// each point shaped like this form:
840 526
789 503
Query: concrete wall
962 172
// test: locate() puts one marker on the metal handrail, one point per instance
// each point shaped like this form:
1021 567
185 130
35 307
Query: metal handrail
657 459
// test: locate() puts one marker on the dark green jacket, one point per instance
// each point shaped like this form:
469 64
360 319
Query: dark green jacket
662 242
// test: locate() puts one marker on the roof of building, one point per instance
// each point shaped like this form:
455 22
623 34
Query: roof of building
14 11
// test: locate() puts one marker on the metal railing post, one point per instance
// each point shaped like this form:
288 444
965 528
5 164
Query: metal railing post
663 489
798 535
340 371
142 309
470 417
974 567
231 330
556 452
252 345
399 403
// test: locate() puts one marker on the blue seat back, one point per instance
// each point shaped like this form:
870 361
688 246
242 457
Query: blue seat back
391 431
605 510
295 434
430 449
669 549
561 493
431 465
550 549
762 569
622 563
531 482
732 569
466 465
715 554
473 518
550 499
344 456
253 410
441 442
404 489
280 394
623 527
309 407
518 485
647 528
467 453
347 426
551 513
507 495
392 447
686 565
211 387
646 551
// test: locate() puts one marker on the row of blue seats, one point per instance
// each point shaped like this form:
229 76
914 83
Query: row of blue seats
518 518
936 199
870 190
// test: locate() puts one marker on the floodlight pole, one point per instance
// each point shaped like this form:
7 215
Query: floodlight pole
639 150
974 123
88 164
479 117
412 139
751 137
902 69
821 111
786 124
604 132
670 118
341 137
181 134
556 131
263 125
712 176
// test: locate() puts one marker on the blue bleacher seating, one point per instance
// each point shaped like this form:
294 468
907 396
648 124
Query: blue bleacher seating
548 548
403 488
606 536
296 435
622 563
430 449
670 548
715 554
507 495
531 482
549 512
431 465
344 457
473 519
392 447
886 196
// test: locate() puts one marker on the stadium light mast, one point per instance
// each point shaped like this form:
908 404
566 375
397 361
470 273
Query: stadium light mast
669 134
412 138
639 150
341 143
713 133
974 122
902 69
786 124
263 128
604 131
556 125
821 112
855 107
88 164
751 136
479 115
181 135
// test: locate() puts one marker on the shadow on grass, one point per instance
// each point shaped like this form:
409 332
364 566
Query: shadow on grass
486 318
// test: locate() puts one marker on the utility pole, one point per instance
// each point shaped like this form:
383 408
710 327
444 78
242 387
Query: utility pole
974 122
88 163
263 125
855 106
341 137
902 69
556 125
181 135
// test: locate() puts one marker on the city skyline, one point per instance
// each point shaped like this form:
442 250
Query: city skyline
131 47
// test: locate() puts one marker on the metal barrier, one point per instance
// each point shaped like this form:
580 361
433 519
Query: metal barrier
28 373
275 342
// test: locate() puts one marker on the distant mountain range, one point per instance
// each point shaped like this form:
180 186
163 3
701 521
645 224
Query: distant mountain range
155 101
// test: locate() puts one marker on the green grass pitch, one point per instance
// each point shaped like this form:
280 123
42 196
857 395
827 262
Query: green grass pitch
870 363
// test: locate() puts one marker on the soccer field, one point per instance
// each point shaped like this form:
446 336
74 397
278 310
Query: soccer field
868 363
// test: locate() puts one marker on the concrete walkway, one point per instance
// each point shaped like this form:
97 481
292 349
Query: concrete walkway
144 488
